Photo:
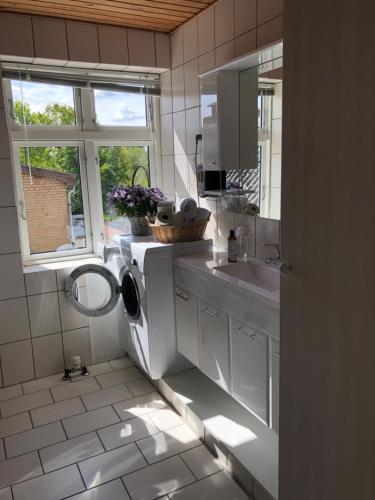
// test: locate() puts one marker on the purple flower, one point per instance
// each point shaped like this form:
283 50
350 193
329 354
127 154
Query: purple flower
135 200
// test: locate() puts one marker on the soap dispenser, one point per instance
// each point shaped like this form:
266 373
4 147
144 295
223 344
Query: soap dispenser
232 246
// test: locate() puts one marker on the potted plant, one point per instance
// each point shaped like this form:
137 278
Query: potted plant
137 203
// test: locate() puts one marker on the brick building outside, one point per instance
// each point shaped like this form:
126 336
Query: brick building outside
47 208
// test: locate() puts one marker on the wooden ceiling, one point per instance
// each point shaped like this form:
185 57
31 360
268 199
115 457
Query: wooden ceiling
159 15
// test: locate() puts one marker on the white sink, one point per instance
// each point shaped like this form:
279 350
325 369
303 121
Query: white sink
254 273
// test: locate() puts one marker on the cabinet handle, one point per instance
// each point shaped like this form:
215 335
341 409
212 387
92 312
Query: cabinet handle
186 299
214 315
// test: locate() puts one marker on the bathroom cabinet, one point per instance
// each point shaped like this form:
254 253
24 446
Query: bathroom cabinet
249 361
187 325
275 370
214 344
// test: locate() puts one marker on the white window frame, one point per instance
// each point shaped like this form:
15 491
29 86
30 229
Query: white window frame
89 136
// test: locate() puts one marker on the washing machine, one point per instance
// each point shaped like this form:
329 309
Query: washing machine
145 288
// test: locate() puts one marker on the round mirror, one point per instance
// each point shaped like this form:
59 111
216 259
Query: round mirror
92 290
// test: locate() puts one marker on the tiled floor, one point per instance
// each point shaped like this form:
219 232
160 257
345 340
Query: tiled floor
109 436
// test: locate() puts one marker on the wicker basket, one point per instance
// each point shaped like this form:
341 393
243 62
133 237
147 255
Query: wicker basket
173 234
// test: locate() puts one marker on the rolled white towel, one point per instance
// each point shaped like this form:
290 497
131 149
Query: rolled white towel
202 214
178 219
188 209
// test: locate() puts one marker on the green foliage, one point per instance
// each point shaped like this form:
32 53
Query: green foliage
116 163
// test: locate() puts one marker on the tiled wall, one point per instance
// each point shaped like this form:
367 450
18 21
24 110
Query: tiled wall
228 29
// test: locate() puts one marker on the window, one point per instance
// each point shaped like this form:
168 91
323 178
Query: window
71 145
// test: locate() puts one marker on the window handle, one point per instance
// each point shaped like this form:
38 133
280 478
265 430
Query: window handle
186 299
22 212
214 315
11 109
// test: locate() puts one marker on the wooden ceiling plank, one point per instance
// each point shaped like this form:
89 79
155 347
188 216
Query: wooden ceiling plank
130 23
163 4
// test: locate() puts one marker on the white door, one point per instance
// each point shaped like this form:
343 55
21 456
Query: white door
187 325
214 352
250 368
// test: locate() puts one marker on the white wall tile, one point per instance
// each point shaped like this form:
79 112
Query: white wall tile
111 465
16 36
193 189
141 45
9 241
163 50
17 362
70 451
181 176
177 48
15 424
50 38
268 9
48 355
40 282
245 43
70 318
224 21
178 89
167 167
190 39
77 343
206 31
25 403
58 484
34 439
19 469
225 224
12 284
192 89
158 479
276 136
4 138
113 45
249 223
83 43
2 452
14 324
166 93
270 32
179 133
44 314
206 62
224 53
166 126
6 183
6 494
267 231
245 18
193 127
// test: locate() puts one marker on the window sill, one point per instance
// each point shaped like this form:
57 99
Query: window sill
62 264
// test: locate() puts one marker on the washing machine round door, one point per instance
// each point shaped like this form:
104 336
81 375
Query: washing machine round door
130 294
92 290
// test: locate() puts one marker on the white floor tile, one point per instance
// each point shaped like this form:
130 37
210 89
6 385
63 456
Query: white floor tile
6 494
20 469
127 432
34 439
158 479
57 411
140 405
201 462
118 364
43 383
168 443
73 389
111 465
99 369
24 403
2 451
141 386
106 397
114 490
219 486
14 424
166 418
53 486
10 392
119 377
90 421
70 451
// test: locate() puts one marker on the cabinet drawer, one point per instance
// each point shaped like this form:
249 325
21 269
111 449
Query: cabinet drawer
187 325
214 352
249 361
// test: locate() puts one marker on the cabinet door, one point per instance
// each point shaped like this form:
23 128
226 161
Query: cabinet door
214 352
187 325
275 368
250 368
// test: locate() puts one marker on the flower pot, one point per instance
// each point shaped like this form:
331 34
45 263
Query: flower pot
139 226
